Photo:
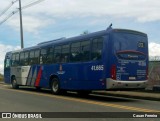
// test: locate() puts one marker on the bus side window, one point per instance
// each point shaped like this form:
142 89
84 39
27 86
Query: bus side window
75 52
65 53
49 57
43 56
7 63
22 58
85 50
13 60
36 57
57 54
97 45
17 60
26 58
31 57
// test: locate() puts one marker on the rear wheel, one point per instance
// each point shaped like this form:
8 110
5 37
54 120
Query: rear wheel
55 86
14 83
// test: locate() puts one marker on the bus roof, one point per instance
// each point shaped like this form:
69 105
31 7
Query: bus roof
65 40
80 37
130 31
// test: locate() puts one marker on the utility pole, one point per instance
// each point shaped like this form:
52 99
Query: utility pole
21 25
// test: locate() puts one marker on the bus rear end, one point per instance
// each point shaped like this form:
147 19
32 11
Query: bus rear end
128 60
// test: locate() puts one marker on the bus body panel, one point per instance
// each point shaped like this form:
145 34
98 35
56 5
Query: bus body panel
74 76
20 74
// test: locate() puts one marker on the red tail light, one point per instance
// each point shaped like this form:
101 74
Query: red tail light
113 72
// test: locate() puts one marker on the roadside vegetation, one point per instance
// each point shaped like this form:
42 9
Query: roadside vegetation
1 77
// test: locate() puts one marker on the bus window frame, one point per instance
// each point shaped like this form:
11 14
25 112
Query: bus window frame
26 60
7 63
74 58
22 59
36 57
57 59
46 55
89 48
13 59
17 59
97 38
65 59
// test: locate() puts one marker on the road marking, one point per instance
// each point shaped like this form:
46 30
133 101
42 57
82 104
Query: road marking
86 101
5 85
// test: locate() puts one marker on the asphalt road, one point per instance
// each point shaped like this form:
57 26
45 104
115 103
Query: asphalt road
31 100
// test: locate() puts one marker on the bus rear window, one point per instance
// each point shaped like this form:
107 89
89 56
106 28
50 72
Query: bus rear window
131 55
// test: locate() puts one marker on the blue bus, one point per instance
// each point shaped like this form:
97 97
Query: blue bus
112 59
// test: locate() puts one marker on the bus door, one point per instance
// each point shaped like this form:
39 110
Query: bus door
7 64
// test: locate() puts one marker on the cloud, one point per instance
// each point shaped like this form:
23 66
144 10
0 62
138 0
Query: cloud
4 49
140 10
3 4
154 49
39 16
30 23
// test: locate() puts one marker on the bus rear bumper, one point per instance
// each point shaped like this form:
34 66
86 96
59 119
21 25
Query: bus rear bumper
123 85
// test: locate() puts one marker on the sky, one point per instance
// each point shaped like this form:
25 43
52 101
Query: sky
52 19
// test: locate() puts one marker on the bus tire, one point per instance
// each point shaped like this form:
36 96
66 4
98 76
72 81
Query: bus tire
14 83
55 86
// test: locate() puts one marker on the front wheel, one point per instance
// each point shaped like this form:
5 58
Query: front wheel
14 83
55 86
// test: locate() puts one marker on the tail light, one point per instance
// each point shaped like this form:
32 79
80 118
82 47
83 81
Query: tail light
113 72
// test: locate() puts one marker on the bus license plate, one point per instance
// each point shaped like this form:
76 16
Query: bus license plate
132 78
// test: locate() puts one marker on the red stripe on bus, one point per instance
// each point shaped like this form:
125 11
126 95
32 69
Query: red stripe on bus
38 77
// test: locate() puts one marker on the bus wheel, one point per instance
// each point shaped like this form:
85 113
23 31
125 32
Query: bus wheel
14 83
55 86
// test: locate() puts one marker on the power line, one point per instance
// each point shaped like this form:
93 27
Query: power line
16 11
8 7
31 4
10 15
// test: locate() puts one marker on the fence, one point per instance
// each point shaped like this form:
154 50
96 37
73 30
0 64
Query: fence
154 72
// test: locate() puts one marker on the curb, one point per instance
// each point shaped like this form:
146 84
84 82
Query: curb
129 96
